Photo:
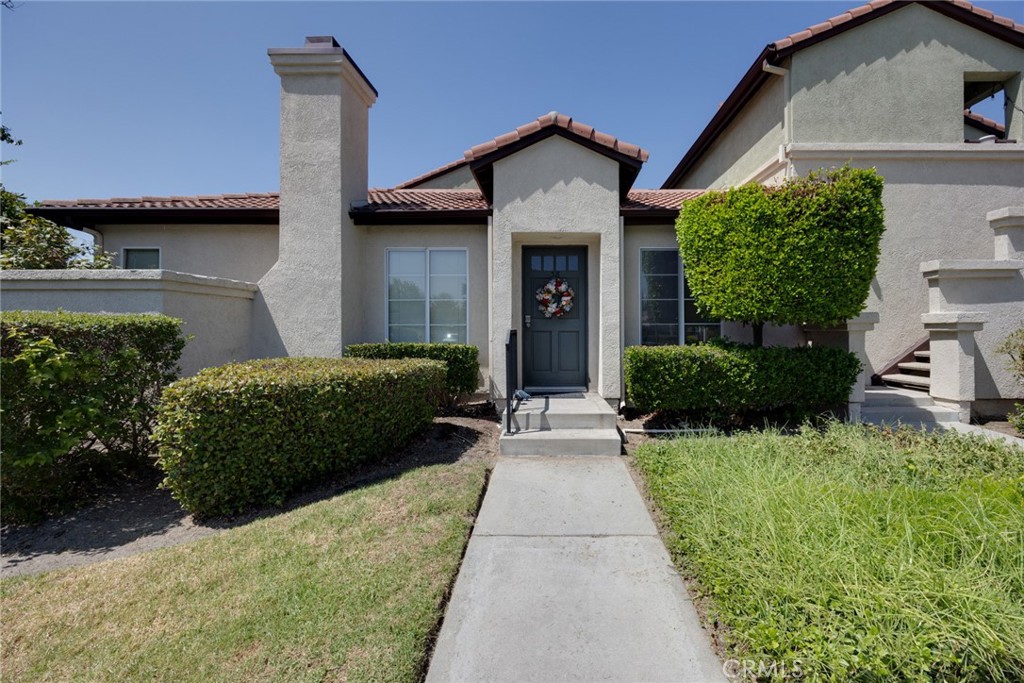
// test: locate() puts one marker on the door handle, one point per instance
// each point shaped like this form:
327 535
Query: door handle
528 321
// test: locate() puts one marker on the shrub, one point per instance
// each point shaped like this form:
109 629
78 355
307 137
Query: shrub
803 252
712 382
251 433
1013 346
461 359
72 381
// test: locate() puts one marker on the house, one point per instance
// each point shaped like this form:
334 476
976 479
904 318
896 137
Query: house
459 253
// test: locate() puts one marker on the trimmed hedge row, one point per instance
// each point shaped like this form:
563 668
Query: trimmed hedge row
720 380
251 433
461 359
72 381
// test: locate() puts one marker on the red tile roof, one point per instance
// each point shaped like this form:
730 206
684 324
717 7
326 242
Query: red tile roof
641 200
959 10
429 175
875 5
562 121
983 121
249 200
379 199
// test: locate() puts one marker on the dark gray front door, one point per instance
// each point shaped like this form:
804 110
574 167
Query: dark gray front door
554 348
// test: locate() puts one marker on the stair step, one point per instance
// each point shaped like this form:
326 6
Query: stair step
914 416
916 366
562 442
923 354
882 397
561 412
908 380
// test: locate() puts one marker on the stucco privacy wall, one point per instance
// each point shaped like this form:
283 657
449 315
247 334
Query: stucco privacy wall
561 193
324 128
236 252
899 78
936 199
373 289
215 311
637 237
750 141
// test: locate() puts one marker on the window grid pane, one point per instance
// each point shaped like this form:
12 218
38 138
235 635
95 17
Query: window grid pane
659 297
427 295
142 259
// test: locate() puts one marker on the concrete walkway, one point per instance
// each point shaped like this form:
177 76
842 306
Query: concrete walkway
566 579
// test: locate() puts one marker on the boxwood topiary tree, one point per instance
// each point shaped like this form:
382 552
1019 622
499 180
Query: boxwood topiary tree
802 252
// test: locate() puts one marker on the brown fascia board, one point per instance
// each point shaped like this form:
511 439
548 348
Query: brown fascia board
629 168
89 217
755 76
434 217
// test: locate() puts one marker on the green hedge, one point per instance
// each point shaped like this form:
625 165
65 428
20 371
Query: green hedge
72 383
712 382
251 433
461 359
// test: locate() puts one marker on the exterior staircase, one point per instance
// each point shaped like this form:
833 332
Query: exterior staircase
562 424
902 405
912 374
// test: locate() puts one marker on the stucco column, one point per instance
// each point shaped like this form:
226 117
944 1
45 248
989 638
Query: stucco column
952 345
304 308
610 325
850 336
1008 226
502 316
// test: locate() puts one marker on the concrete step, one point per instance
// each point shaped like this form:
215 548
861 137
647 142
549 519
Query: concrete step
562 442
915 416
577 411
881 397
916 366
923 355
908 380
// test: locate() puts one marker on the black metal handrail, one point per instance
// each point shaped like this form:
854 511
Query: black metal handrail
511 377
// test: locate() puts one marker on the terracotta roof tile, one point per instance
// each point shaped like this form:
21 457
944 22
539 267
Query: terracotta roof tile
379 199
441 170
639 200
983 120
252 200
562 121
874 5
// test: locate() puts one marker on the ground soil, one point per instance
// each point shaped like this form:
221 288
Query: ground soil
1001 426
136 516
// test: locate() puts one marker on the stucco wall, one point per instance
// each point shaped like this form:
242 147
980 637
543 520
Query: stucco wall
301 309
373 289
899 78
236 252
459 179
637 237
750 141
560 193
215 311
936 199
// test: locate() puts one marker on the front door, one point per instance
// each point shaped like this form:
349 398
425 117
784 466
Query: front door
555 334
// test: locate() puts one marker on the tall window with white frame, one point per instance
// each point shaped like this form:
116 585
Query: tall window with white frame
427 295
668 312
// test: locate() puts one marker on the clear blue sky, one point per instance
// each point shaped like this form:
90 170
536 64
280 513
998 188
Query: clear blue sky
147 98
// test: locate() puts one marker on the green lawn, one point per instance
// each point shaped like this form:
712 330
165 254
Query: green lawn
344 589
865 555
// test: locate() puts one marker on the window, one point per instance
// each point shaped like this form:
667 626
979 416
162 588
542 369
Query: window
427 295
142 259
668 312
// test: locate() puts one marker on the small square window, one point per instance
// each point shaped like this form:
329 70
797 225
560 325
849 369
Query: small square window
142 259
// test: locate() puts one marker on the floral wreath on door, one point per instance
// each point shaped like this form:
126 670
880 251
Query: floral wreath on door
555 299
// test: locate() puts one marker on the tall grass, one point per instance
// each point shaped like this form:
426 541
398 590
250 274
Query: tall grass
855 553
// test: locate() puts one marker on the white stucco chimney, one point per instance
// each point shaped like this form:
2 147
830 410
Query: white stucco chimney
325 100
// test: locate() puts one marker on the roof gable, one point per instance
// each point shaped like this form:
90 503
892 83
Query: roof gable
482 157
775 52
